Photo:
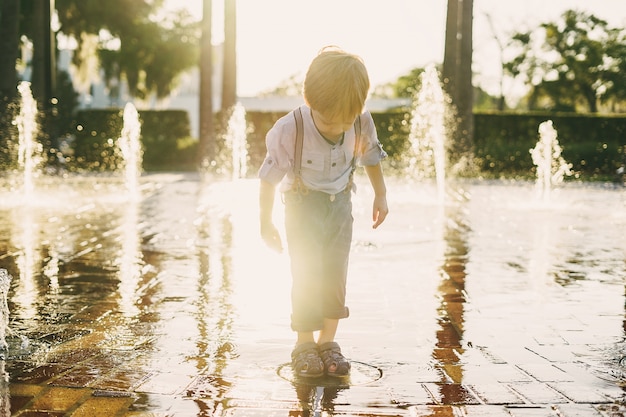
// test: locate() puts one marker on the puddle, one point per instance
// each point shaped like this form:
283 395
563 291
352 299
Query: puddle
360 374
175 299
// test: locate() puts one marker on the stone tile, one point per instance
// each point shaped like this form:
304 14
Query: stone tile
403 395
451 394
495 393
34 413
78 376
435 410
121 379
18 402
545 372
556 354
579 393
537 393
59 399
532 411
25 390
484 411
578 410
39 374
102 407
165 383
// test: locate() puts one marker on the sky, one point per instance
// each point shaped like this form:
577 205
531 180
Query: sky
277 39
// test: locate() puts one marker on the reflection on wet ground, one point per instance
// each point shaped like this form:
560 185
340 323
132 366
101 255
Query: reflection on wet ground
169 304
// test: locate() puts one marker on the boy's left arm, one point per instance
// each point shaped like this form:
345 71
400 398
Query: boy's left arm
380 208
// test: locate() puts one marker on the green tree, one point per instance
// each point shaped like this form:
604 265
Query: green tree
9 47
573 63
133 42
406 86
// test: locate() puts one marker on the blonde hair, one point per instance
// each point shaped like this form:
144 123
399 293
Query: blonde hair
336 83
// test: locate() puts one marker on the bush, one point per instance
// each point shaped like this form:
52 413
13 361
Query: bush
594 144
164 137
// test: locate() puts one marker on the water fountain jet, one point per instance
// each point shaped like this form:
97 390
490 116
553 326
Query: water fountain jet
427 155
30 152
129 145
546 155
236 142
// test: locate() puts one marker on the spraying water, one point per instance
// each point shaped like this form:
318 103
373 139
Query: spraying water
5 284
551 167
427 154
236 142
30 152
130 147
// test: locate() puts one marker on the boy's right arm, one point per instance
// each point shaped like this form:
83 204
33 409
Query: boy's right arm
269 233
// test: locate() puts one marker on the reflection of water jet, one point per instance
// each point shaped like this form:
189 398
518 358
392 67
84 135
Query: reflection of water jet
130 260
5 284
5 392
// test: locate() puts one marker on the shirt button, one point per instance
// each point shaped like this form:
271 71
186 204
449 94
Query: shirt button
334 163
309 161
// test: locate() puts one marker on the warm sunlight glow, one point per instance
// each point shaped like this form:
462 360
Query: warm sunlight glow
276 39
258 277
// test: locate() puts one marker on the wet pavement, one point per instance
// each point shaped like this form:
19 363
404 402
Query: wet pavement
494 303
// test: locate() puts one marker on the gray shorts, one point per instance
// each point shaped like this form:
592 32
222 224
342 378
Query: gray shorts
319 235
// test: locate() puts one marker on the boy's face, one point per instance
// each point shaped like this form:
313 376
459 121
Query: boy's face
332 127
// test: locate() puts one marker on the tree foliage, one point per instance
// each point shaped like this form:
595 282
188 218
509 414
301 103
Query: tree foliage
406 86
134 43
576 62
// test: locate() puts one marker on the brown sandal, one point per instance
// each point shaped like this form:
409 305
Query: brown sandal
332 357
306 362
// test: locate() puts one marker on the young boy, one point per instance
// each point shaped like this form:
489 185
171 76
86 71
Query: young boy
316 173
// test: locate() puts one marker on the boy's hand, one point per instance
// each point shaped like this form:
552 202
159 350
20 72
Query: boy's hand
380 210
271 237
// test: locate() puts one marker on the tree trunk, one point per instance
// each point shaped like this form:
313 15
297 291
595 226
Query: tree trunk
44 54
590 95
38 78
9 52
465 88
206 138
457 73
9 48
229 82
450 56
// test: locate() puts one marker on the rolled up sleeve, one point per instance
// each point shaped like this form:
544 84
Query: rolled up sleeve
278 159
270 171
372 151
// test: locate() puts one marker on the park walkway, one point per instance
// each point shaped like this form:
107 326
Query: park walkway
170 305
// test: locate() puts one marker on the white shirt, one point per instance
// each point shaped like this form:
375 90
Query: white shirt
325 167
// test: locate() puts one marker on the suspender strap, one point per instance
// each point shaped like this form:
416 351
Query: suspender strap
297 158
357 140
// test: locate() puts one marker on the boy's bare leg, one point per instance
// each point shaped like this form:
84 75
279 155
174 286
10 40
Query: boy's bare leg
328 332
305 337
